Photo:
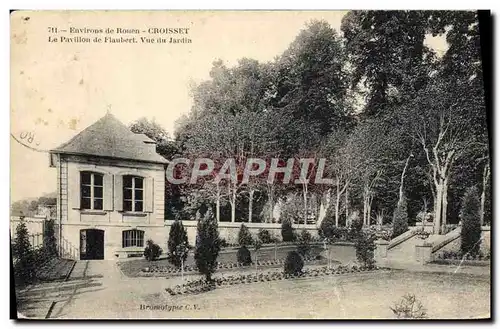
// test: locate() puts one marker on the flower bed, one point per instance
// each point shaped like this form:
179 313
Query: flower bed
199 286
155 270
454 258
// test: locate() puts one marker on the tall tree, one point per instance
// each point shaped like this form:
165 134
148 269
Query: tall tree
341 167
384 48
447 123
310 79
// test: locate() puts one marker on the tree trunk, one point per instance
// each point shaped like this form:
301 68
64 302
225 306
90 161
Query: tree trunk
250 205
365 207
346 205
437 209
233 205
337 204
486 174
445 203
304 193
402 179
217 204
369 212
270 192
366 204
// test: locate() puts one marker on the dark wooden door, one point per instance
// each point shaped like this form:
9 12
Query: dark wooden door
91 244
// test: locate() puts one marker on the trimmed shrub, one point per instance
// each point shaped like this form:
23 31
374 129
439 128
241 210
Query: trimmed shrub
49 239
329 231
293 263
304 245
265 236
223 243
327 227
207 245
243 256
287 231
244 236
365 247
355 229
471 226
177 244
152 251
400 219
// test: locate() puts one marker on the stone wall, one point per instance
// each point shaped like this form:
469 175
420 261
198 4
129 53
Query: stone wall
229 231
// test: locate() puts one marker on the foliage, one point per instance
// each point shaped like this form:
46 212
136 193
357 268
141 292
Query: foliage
223 243
243 256
311 78
409 307
152 251
292 210
49 239
385 48
365 247
453 255
244 236
287 231
400 219
356 228
328 230
178 244
471 227
156 132
28 207
293 263
257 244
383 65
207 244
304 243
265 236
24 256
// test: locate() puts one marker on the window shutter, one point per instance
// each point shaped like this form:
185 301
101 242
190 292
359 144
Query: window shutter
108 192
118 193
148 202
74 190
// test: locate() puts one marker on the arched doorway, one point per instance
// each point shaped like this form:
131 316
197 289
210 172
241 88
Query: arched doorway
91 244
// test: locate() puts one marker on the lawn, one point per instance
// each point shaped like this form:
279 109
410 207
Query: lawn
363 295
132 267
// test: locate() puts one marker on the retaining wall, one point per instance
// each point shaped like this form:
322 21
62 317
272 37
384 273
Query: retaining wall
229 230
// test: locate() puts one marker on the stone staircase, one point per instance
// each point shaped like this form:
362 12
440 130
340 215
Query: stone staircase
441 241
402 250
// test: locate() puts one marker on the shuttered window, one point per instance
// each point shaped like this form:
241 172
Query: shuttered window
132 238
133 193
91 190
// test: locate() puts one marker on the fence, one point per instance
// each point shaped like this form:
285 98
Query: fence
68 250
34 225
36 240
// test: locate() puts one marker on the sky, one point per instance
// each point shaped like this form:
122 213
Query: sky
60 88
